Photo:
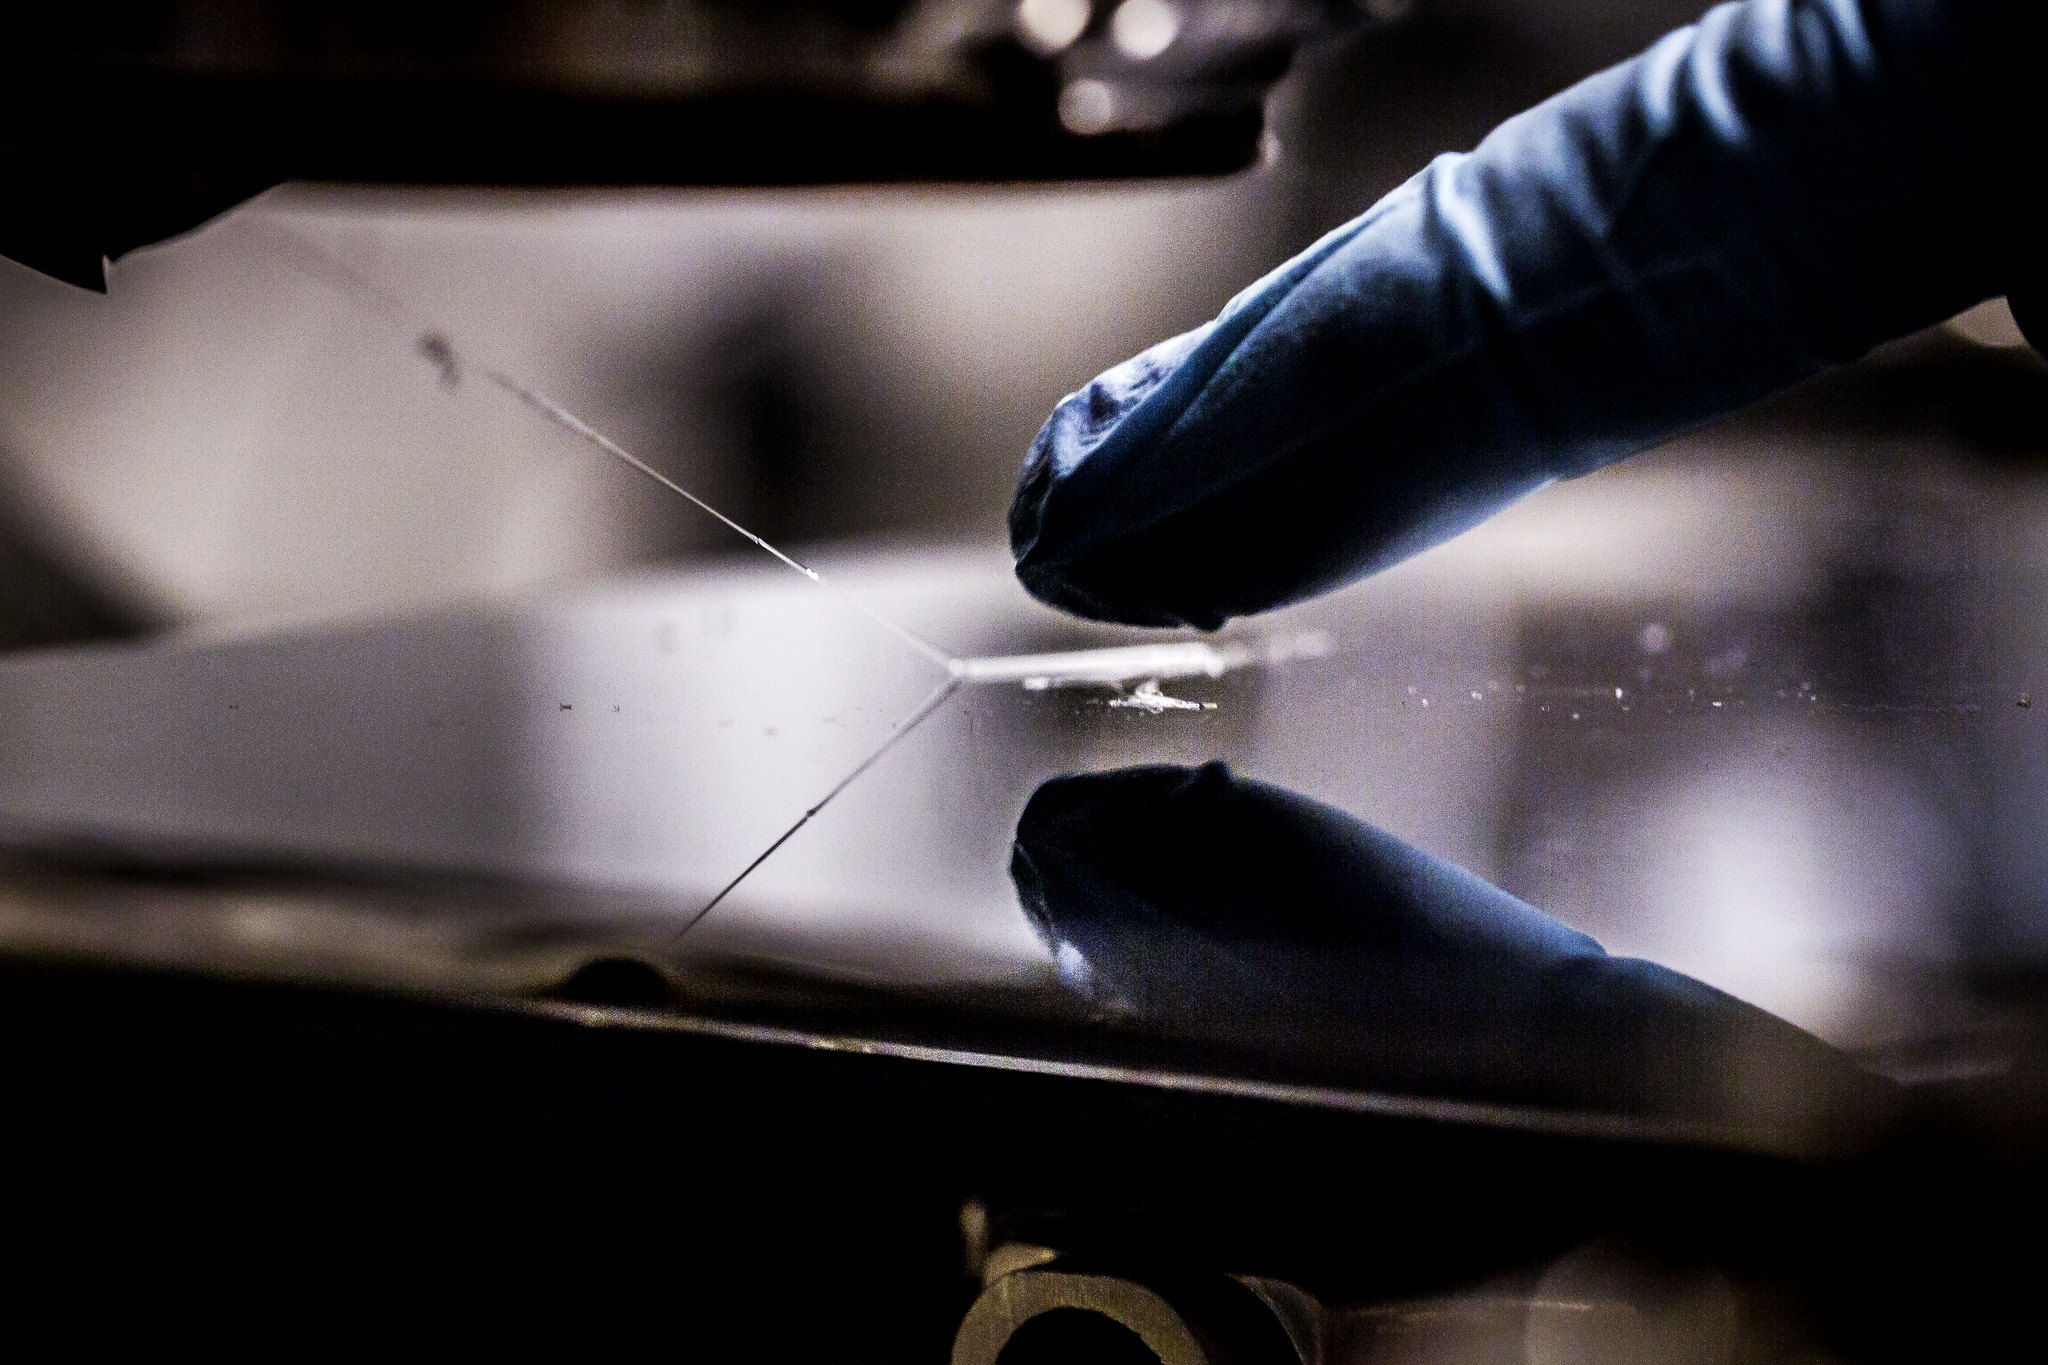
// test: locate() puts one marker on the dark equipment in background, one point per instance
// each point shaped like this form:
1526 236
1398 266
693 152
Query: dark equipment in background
122 125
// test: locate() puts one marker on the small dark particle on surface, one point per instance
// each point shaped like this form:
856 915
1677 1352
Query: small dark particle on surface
565 706
2026 700
440 353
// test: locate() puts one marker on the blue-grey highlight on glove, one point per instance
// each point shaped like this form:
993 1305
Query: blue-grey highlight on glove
1770 192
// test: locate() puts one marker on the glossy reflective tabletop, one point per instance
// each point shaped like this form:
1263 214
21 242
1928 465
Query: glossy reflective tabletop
1756 709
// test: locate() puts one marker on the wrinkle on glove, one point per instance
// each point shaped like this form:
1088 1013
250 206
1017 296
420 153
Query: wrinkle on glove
1247 920
1772 191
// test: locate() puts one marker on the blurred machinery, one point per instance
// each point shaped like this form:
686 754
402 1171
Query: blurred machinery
121 127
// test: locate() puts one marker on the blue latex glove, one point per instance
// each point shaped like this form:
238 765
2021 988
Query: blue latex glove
1238 917
1770 192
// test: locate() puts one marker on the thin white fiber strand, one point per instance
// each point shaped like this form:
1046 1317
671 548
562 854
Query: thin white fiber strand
903 727
438 345
570 422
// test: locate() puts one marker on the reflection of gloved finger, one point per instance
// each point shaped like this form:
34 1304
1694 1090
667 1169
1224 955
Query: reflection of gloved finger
1240 917
1218 853
1772 191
